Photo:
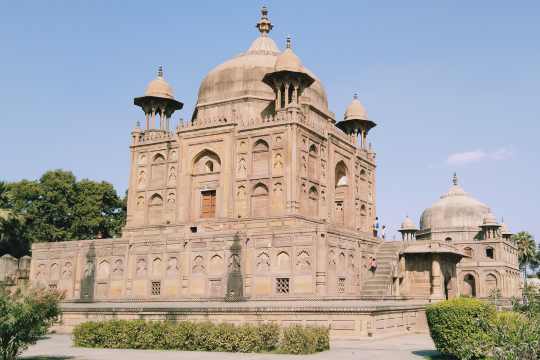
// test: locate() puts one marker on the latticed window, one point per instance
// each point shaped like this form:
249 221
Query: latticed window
52 286
282 285
341 286
156 288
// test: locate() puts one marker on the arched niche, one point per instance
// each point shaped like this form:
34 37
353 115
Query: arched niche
261 158
469 285
341 192
312 161
206 162
313 202
260 201
155 209
491 283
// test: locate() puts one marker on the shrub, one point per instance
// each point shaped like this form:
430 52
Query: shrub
304 340
461 327
515 337
24 318
205 336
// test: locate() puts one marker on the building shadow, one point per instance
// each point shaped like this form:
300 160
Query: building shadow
235 280
88 280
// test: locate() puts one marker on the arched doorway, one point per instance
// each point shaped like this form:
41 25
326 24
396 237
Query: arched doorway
491 284
469 285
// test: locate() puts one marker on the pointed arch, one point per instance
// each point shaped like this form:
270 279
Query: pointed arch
156 200
261 158
341 174
159 157
206 161
283 262
313 202
260 205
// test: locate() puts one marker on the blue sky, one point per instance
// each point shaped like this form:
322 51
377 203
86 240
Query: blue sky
453 86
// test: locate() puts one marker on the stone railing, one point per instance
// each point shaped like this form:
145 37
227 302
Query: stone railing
202 123
153 135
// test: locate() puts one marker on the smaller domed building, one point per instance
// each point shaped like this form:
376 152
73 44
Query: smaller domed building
491 266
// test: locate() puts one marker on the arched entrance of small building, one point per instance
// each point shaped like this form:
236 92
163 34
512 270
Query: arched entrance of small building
469 285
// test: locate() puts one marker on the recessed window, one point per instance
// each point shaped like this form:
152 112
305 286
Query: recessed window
193 229
490 253
448 239
156 288
209 166
208 206
341 285
282 285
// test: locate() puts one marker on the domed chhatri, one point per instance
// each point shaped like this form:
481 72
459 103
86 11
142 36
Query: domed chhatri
356 121
158 100
456 208
408 229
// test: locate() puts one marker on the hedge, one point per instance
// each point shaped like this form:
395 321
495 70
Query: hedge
462 327
205 336
516 337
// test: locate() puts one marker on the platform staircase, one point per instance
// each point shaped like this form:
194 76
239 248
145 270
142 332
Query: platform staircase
378 284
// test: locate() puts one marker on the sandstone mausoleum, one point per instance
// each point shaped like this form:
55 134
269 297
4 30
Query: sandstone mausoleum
262 207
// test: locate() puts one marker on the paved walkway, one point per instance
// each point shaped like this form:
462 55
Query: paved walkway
414 346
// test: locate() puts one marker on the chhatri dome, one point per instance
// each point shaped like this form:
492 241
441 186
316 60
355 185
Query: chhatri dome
159 87
242 76
408 224
456 208
356 110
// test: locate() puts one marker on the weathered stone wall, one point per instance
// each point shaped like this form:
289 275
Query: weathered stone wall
346 319
274 258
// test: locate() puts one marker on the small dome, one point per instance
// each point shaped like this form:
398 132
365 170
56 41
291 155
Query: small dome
505 230
159 87
356 110
288 60
455 209
408 224
489 219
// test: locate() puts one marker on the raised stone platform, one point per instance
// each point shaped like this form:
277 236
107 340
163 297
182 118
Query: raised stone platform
347 319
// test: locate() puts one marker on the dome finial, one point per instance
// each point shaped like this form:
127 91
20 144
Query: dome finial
355 96
288 42
160 71
455 179
264 25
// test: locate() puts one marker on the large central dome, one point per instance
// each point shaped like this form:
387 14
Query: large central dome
242 76
455 209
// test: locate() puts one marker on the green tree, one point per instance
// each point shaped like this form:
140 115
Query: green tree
13 236
57 207
527 252
24 318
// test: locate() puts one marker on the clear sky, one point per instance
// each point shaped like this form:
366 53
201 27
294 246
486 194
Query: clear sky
453 86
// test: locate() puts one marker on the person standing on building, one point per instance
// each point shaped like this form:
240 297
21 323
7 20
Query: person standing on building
376 227
383 232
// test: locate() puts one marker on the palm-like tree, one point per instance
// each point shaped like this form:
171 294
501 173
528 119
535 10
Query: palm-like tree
527 251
